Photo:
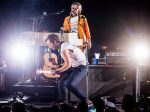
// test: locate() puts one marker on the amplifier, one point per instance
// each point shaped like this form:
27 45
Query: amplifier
117 58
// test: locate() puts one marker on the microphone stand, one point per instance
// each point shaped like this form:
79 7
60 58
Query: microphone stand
87 75
38 40
35 28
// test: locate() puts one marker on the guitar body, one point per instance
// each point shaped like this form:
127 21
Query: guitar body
50 59
50 62
49 75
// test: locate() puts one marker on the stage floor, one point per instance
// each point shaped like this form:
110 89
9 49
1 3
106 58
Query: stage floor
39 102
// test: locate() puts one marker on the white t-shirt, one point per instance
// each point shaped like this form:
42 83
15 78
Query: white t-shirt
74 24
77 56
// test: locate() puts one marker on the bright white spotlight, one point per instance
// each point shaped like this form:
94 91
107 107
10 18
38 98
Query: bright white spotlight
20 52
140 52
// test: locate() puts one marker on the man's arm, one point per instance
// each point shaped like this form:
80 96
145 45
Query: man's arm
87 32
66 25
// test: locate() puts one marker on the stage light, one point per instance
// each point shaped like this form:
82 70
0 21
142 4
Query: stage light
140 52
20 52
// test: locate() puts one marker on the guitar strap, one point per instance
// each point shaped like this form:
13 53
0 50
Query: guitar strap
60 60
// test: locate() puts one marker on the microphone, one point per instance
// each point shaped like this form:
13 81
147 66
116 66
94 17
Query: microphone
61 11
57 13
38 17
44 14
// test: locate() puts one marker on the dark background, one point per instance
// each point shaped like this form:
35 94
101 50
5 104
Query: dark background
112 22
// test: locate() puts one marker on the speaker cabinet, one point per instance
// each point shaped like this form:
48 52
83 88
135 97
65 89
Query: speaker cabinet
105 82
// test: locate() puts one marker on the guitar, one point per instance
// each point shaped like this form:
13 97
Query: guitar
50 59
48 73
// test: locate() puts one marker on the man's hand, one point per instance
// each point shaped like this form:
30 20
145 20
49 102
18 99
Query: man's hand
54 67
87 44
54 72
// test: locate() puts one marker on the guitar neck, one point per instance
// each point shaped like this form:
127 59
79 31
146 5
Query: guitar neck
44 71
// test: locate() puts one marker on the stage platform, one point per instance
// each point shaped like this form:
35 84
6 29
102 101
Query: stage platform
40 90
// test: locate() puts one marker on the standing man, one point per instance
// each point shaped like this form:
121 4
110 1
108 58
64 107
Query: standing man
77 23
73 69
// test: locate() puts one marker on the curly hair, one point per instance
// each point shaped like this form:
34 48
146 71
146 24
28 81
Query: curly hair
52 38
